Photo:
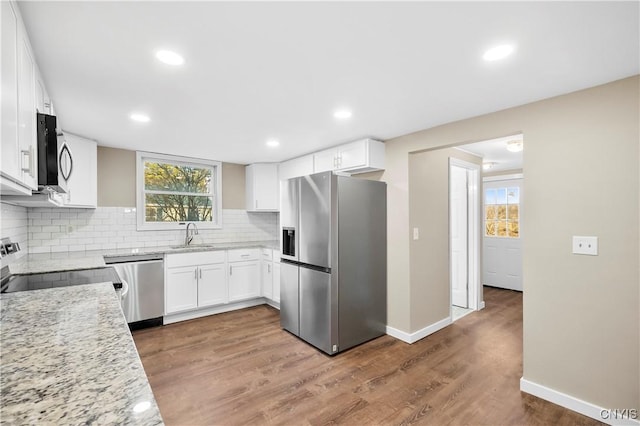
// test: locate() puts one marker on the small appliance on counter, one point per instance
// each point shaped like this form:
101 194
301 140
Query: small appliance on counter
333 282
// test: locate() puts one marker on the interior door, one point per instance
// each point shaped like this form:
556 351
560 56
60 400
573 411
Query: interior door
459 236
502 237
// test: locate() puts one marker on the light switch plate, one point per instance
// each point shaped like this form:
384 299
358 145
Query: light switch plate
585 245
416 233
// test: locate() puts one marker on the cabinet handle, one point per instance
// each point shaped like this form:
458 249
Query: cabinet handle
339 160
230 270
269 268
200 273
244 255
26 160
196 274
256 204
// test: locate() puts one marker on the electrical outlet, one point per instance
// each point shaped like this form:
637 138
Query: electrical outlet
585 245
416 233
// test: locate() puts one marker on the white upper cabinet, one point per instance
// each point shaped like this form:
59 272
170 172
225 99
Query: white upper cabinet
262 187
300 166
361 156
19 139
9 132
82 187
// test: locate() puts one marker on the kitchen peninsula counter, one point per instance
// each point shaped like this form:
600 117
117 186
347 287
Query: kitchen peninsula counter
68 358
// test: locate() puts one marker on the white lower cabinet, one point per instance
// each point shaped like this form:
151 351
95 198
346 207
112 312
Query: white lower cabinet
276 282
244 280
195 280
267 279
181 289
212 285
202 283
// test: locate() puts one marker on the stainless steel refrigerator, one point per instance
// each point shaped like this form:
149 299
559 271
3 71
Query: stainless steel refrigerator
333 282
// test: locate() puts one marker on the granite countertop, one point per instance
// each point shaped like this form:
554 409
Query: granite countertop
68 358
69 261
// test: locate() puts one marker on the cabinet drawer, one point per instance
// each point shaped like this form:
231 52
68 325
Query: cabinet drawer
267 254
197 258
241 255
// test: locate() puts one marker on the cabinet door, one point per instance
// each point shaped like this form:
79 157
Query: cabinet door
181 289
324 161
244 280
82 187
267 279
9 73
300 166
212 285
27 139
352 155
276 282
262 187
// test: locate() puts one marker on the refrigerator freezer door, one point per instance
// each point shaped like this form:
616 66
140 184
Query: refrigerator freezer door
315 220
289 202
289 298
316 309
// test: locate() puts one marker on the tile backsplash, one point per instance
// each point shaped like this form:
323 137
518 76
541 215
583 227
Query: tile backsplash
63 230
14 225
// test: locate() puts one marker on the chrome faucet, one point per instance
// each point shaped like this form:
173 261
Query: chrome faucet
189 237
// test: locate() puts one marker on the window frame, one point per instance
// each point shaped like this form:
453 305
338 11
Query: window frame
216 194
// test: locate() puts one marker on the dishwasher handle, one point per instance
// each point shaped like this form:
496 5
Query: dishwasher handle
125 289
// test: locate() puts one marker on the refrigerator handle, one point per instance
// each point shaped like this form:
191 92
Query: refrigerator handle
230 269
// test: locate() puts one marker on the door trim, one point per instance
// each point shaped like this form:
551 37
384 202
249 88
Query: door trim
473 233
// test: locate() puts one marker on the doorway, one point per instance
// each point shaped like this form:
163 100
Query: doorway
464 241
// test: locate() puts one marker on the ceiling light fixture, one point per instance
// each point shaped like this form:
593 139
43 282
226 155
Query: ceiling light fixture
488 165
170 58
498 52
273 143
514 145
140 118
342 114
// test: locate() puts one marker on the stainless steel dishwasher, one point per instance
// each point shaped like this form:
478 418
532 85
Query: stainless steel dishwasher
143 304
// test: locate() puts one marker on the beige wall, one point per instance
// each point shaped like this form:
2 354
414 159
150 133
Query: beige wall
581 319
233 186
117 180
116 177
430 288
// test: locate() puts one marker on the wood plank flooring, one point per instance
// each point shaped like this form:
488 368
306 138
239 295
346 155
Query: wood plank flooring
240 368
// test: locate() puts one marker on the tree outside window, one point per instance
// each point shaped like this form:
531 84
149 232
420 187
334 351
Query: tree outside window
176 190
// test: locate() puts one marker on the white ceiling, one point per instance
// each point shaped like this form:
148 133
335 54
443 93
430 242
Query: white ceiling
255 71
495 151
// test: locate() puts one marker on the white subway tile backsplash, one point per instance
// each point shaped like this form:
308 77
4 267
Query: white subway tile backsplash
115 227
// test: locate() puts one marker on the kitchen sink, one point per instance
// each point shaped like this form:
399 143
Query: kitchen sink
192 247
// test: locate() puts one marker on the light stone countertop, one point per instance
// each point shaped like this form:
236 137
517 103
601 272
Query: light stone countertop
69 261
68 358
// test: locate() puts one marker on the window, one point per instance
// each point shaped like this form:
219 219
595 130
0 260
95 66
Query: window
502 212
172 191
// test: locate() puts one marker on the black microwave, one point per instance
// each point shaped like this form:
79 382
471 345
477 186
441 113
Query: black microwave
55 162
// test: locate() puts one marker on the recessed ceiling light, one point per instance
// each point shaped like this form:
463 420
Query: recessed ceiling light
273 143
141 118
342 114
514 145
498 52
170 58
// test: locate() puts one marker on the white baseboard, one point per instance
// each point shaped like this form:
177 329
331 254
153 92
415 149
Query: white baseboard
183 316
588 409
420 334
481 305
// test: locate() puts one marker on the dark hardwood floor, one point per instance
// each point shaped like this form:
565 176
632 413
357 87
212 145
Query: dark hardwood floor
240 368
